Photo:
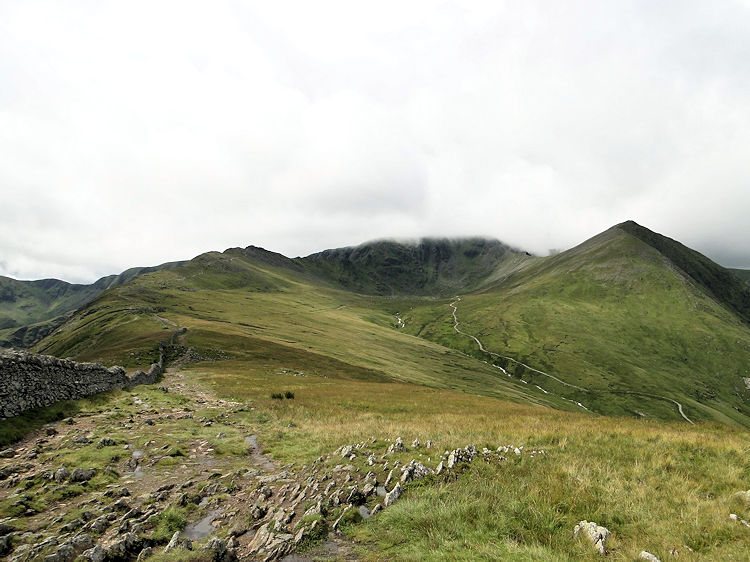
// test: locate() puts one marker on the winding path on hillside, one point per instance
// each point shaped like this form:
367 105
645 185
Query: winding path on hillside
482 348
454 306
634 392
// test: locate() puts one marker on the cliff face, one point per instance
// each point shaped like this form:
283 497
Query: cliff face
30 381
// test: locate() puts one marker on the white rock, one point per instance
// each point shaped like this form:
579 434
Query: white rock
451 460
393 495
388 478
172 542
596 534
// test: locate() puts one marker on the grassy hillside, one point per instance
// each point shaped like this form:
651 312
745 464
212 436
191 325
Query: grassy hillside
612 326
743 274
621 328
660 487
714 279
238 309
26 302
615 317
29 310
656 486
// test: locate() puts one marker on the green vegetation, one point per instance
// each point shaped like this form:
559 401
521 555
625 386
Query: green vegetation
657 486
743 274
613 317
30 310
315 331
431 266
626 323
711 277
167 522
13 429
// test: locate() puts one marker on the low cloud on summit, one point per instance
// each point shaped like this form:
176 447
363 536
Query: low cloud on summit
142 132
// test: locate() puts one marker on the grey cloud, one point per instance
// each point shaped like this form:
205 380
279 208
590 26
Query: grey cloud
301 126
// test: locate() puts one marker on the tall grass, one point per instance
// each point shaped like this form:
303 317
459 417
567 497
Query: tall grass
657 486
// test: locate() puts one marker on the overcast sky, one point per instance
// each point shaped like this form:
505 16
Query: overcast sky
134 133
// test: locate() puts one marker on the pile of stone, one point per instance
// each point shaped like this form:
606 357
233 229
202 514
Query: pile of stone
31 380
282 523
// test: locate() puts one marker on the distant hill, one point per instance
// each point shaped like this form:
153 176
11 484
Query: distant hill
626 314
427 267
743 274
31 309
627 323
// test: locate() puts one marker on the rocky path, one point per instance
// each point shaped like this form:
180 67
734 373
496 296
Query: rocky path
71 491
454 307
158 470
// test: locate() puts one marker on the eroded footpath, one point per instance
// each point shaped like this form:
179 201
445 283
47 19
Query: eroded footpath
171 471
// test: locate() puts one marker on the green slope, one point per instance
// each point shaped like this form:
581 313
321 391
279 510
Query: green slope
26 302
716 280
743 274
237 309
31 309
613 314
623 324
619 318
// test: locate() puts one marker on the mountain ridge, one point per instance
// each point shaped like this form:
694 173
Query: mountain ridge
423 267
605 371
599 318
31 309
715 279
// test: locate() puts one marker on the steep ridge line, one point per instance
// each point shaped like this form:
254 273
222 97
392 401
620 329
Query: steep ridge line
454 306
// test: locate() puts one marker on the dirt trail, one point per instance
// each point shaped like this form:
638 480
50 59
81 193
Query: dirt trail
189 450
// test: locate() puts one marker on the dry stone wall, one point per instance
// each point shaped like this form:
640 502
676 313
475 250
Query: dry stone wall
28 380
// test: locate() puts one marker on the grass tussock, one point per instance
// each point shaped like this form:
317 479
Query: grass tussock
167 523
